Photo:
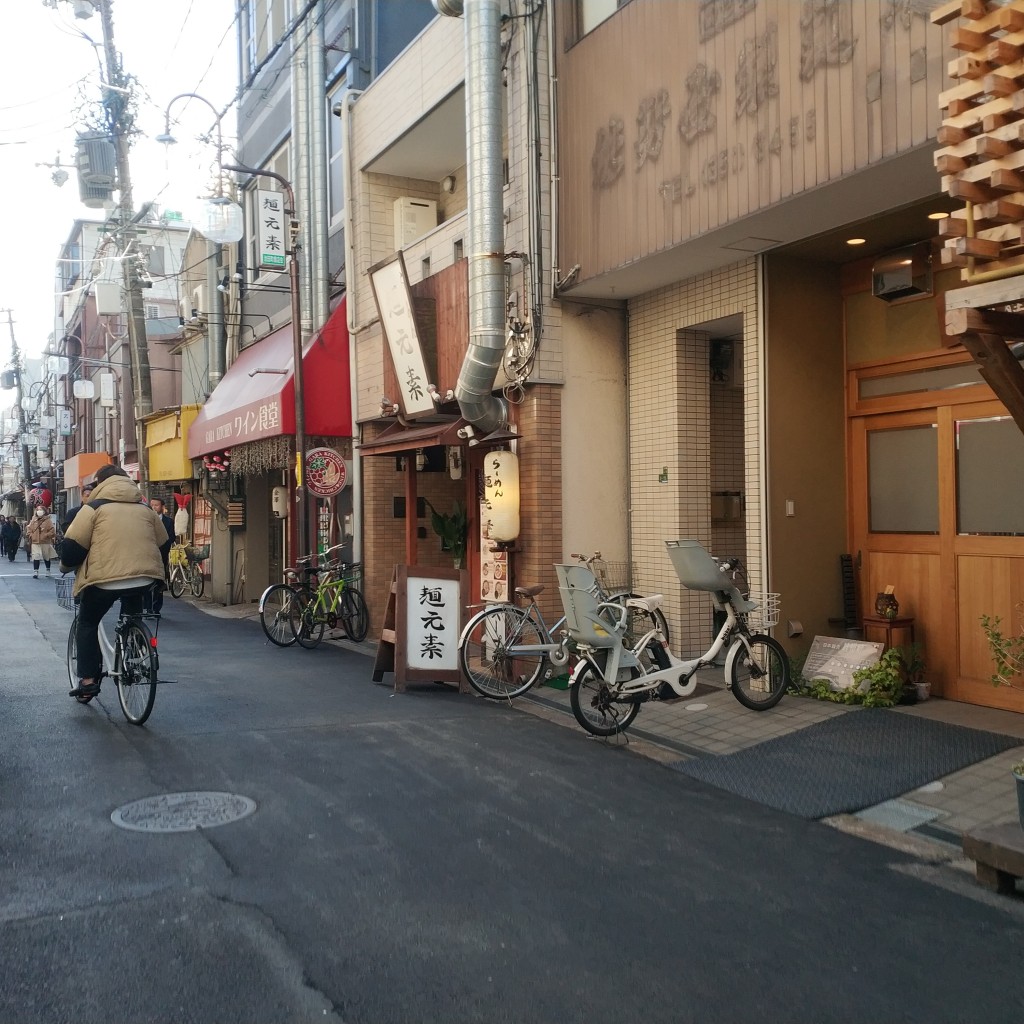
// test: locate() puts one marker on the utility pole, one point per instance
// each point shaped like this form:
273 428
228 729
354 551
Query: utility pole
26 465
115 101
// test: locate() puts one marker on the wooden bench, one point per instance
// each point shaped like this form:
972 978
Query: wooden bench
998 852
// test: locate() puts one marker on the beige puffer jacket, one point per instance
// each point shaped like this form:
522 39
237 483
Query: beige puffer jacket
40 530
121 539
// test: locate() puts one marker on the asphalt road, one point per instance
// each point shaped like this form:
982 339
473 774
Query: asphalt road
429 857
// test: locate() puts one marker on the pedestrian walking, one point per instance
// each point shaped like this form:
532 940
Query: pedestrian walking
12 537
42 535
69 516
157 505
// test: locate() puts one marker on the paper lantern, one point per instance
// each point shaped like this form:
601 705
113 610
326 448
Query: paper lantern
501 496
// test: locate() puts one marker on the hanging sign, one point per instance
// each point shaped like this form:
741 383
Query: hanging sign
394 304
326 472
271 229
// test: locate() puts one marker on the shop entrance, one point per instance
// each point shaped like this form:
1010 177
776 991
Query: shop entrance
936 513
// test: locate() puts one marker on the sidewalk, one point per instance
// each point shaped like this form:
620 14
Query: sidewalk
714 722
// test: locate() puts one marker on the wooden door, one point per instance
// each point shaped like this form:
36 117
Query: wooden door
937 512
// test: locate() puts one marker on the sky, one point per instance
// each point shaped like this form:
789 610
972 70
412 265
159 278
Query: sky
47 71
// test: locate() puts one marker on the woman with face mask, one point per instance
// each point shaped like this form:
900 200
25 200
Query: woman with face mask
42 535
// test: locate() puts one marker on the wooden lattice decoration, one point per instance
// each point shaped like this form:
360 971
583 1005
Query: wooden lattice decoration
981 154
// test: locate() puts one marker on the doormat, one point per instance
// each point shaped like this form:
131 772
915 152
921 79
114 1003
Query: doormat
847 763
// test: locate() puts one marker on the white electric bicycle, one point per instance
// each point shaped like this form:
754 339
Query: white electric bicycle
611 680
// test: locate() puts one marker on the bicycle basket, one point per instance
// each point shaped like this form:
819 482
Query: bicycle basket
352 574
177 555
766 614
65 592
199 554
613 576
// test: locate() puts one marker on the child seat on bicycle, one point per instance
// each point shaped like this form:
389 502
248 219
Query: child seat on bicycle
117 545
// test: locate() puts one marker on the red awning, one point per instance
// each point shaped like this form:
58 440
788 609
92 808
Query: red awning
256 397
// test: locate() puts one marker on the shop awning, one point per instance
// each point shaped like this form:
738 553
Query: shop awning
256 397
167 443
399 438
79 468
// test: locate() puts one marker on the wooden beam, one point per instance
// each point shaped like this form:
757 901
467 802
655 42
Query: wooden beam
989 293
1000 370
984 321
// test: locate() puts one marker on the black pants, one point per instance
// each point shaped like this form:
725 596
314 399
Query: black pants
94 603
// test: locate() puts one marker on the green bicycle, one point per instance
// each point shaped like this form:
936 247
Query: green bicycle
334 601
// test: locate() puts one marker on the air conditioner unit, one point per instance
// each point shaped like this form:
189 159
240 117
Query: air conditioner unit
199 300
903 274
413 219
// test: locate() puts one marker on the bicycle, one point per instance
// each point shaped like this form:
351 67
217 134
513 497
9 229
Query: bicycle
135 662
334 599
611 680
278 603
185 571
503 649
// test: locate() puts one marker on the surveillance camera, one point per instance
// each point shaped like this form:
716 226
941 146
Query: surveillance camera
337 109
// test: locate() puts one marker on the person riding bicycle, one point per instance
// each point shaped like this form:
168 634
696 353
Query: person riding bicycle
116 545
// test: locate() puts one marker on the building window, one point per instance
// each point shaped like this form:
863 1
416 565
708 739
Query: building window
588 14
336 154
264 23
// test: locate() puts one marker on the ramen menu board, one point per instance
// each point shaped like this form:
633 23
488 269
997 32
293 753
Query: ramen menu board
493 573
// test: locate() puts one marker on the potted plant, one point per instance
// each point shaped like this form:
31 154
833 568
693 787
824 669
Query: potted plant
1007 651
915 669
452 528
1018 775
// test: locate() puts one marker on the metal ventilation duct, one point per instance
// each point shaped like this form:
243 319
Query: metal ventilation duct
486 233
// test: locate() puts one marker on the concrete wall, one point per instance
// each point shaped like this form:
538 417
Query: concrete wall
805 443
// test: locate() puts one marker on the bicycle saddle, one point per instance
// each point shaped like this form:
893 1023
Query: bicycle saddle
529 591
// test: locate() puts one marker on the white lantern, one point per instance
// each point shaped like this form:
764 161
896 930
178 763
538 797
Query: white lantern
501 496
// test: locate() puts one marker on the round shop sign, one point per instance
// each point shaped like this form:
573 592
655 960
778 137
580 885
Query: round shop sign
326 473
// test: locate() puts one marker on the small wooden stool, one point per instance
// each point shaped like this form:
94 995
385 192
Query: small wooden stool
891 632
998 853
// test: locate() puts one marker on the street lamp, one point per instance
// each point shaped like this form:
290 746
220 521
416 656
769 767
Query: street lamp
222 218
300 402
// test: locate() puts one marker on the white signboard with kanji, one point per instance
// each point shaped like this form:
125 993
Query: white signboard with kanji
394 304
433 613
271 229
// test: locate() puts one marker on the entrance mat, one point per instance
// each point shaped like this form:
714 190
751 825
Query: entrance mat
847 763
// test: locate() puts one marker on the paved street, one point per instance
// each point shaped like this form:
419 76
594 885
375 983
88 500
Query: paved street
430 857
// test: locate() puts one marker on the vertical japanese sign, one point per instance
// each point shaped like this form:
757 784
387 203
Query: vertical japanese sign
394 304
271 229
433 611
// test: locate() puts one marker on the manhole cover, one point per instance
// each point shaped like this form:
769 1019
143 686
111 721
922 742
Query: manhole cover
182 812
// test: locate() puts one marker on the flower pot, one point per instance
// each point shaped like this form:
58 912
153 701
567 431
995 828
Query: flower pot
924 690
1020 797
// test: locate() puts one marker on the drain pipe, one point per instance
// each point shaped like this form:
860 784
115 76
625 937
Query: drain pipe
351 321
486 233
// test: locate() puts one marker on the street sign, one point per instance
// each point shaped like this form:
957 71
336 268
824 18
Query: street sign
271 229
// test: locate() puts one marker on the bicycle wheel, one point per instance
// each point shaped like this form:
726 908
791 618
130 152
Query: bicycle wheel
73 661
760 676
488 655
355 616
639 622
196 581
136 673
308 624
594 707
275 614
177 582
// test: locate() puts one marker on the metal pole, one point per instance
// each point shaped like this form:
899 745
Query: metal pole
114 101
302 510
26 465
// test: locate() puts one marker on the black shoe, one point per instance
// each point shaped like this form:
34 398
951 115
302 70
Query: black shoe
83 690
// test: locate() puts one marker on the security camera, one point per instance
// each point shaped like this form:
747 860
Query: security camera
337 110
